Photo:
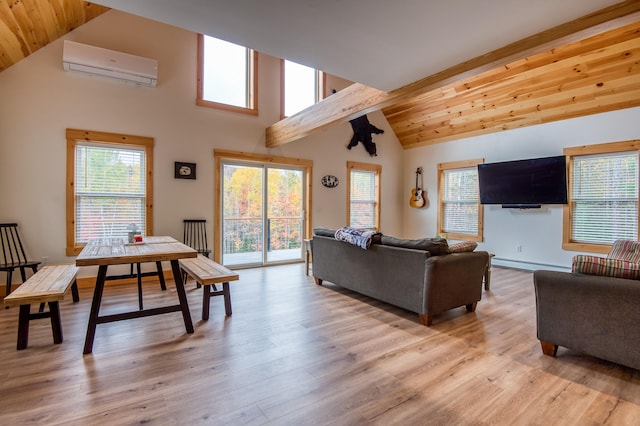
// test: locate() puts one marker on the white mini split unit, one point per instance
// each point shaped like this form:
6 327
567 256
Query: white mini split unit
98 61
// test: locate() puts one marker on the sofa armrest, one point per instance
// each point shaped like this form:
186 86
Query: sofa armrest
454 280
593 314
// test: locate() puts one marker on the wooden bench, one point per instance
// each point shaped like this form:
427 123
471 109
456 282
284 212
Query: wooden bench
208 273
48 285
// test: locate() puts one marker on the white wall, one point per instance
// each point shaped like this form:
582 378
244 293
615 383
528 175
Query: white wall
538 231
39 100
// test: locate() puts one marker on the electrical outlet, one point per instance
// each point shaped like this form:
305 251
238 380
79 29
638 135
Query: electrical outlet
44 260
519 248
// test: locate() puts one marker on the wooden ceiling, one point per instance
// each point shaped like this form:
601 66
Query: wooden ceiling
597 74
585 66
28 25
591 72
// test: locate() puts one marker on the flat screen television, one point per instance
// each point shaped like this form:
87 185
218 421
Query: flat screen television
524 183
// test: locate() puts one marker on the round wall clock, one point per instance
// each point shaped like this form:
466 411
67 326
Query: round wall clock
330 181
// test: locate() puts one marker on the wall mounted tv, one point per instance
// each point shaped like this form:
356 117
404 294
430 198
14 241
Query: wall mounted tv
524 183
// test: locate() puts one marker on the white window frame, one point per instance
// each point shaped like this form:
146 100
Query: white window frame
443 170
376 169
77 137
251 74
569 239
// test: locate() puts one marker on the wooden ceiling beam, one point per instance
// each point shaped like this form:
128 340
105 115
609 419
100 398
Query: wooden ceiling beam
359 99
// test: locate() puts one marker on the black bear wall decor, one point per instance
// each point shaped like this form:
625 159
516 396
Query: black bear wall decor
362 131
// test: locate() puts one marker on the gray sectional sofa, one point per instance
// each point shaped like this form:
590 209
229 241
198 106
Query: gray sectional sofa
421 281
597 315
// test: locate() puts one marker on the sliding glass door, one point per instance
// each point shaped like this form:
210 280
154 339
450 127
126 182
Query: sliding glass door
262 214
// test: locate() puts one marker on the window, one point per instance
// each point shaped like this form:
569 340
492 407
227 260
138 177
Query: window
363 203
459 208
301 87
227 76
108 186
243 192
603 196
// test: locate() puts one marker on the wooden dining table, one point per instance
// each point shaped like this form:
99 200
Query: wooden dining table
114 251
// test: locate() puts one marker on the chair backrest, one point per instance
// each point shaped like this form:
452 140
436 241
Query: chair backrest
10 245
195 235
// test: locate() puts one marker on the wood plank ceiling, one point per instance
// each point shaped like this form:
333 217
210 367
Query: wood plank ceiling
597 74
28 25
594 74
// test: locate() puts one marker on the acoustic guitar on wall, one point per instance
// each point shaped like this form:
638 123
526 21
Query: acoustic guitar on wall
417 199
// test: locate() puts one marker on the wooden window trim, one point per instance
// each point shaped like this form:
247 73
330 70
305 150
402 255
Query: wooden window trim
442 167
253 84
73 137
377 168
220 155
567 213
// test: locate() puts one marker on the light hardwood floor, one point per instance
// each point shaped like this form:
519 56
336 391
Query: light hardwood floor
294 353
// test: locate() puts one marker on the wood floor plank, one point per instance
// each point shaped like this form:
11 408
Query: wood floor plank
296 353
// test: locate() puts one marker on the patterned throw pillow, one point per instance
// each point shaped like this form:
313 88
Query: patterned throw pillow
463 247
605 267
625 250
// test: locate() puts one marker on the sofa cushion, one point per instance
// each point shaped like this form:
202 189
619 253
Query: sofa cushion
324 232
463 247
435 246
607 267
625 250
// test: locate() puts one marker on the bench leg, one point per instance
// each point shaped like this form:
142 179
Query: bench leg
211 290
206 300
56 324
23 326
74 292
227 298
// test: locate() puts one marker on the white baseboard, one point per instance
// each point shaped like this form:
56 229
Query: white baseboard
527 266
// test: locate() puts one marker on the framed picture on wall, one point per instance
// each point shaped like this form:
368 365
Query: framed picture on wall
184 170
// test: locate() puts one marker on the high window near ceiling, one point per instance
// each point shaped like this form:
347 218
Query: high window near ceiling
460 213
603 196
109 186
363 196
301 87
227 76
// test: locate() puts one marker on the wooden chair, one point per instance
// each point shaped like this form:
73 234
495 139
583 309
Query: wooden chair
195 236
13 255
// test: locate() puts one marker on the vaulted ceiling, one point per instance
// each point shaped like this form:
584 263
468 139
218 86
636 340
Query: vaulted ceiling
28 25
582 60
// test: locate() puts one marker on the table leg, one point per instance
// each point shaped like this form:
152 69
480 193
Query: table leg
95 309
182 295
140 306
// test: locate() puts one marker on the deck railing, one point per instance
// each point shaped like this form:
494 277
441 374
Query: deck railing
244 234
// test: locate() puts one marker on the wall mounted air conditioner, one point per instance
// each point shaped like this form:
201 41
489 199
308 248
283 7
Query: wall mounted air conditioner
98 61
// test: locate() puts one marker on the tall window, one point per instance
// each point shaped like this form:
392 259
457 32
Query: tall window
227 76
301 87
363 203
603 196
459 208
108 186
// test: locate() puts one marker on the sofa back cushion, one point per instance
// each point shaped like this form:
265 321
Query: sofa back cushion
324 232
625 250
435 246
606 267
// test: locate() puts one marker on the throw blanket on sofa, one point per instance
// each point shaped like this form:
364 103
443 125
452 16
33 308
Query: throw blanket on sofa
358 237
